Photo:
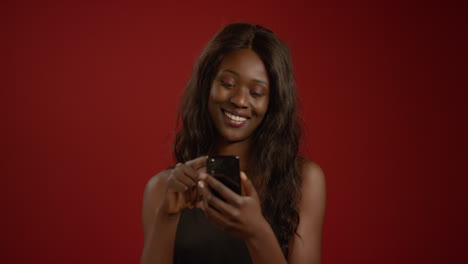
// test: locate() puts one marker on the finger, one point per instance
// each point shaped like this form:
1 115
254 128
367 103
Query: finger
223 190
193 173
243 187
178 186
204 193
217 218
211 200
223 207
202 170
200 185
187 170
210 210
197 163
248 189
179 203
202 176
181 176
191 196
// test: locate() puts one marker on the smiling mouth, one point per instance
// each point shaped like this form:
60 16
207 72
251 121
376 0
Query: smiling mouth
233 120
234 117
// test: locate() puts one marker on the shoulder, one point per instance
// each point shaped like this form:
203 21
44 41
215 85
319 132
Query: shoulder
313 191
152 198
305 247
155 189
157 181
311 172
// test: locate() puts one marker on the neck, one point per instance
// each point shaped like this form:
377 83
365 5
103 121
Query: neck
240 149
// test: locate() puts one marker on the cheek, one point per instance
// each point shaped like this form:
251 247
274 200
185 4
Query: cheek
215 99
217 94
262 107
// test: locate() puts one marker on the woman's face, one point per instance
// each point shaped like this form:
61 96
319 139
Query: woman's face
239 95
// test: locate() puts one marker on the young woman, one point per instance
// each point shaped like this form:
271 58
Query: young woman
240 101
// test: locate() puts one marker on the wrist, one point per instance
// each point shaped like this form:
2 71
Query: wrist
264 247
261 231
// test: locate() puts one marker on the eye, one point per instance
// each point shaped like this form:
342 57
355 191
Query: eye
256 93
227 84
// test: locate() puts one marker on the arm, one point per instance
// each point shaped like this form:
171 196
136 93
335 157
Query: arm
166 195
307 247
265 247
159 228
241 217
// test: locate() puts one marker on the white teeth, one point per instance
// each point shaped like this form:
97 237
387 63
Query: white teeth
234 117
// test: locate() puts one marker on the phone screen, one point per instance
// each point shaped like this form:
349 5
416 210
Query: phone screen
226 170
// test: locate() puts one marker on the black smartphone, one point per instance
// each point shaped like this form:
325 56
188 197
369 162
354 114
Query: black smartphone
226 170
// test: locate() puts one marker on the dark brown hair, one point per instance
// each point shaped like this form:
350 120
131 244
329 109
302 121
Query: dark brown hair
276 140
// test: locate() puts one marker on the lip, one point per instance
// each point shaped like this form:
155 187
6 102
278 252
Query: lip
237 113
231 122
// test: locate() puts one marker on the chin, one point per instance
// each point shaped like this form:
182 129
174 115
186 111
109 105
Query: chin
233 137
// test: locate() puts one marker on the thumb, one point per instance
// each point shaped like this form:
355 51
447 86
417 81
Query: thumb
247 188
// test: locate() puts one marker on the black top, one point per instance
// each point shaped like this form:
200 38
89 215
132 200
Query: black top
198 241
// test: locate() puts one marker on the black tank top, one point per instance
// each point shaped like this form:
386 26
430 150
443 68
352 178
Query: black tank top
198 241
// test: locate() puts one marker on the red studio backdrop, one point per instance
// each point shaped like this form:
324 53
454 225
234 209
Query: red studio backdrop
90 91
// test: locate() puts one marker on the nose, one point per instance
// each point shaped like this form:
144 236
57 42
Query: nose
240 98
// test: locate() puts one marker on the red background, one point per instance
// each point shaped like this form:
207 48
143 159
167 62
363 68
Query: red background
89 98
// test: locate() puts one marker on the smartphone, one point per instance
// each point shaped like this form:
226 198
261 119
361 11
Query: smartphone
226 170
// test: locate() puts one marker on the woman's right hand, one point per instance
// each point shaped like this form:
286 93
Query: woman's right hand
181 191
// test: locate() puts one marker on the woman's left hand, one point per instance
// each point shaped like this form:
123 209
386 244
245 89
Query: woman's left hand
239 215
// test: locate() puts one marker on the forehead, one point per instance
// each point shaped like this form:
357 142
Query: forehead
246 63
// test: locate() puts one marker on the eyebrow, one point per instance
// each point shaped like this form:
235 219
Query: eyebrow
238 75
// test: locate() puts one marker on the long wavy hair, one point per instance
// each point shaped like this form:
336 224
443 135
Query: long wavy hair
276 140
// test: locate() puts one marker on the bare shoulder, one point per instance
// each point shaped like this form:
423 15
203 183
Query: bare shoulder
306 247
154 190
313 192
312 174
156 182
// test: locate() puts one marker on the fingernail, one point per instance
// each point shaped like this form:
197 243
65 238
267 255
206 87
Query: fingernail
201 184
243 176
